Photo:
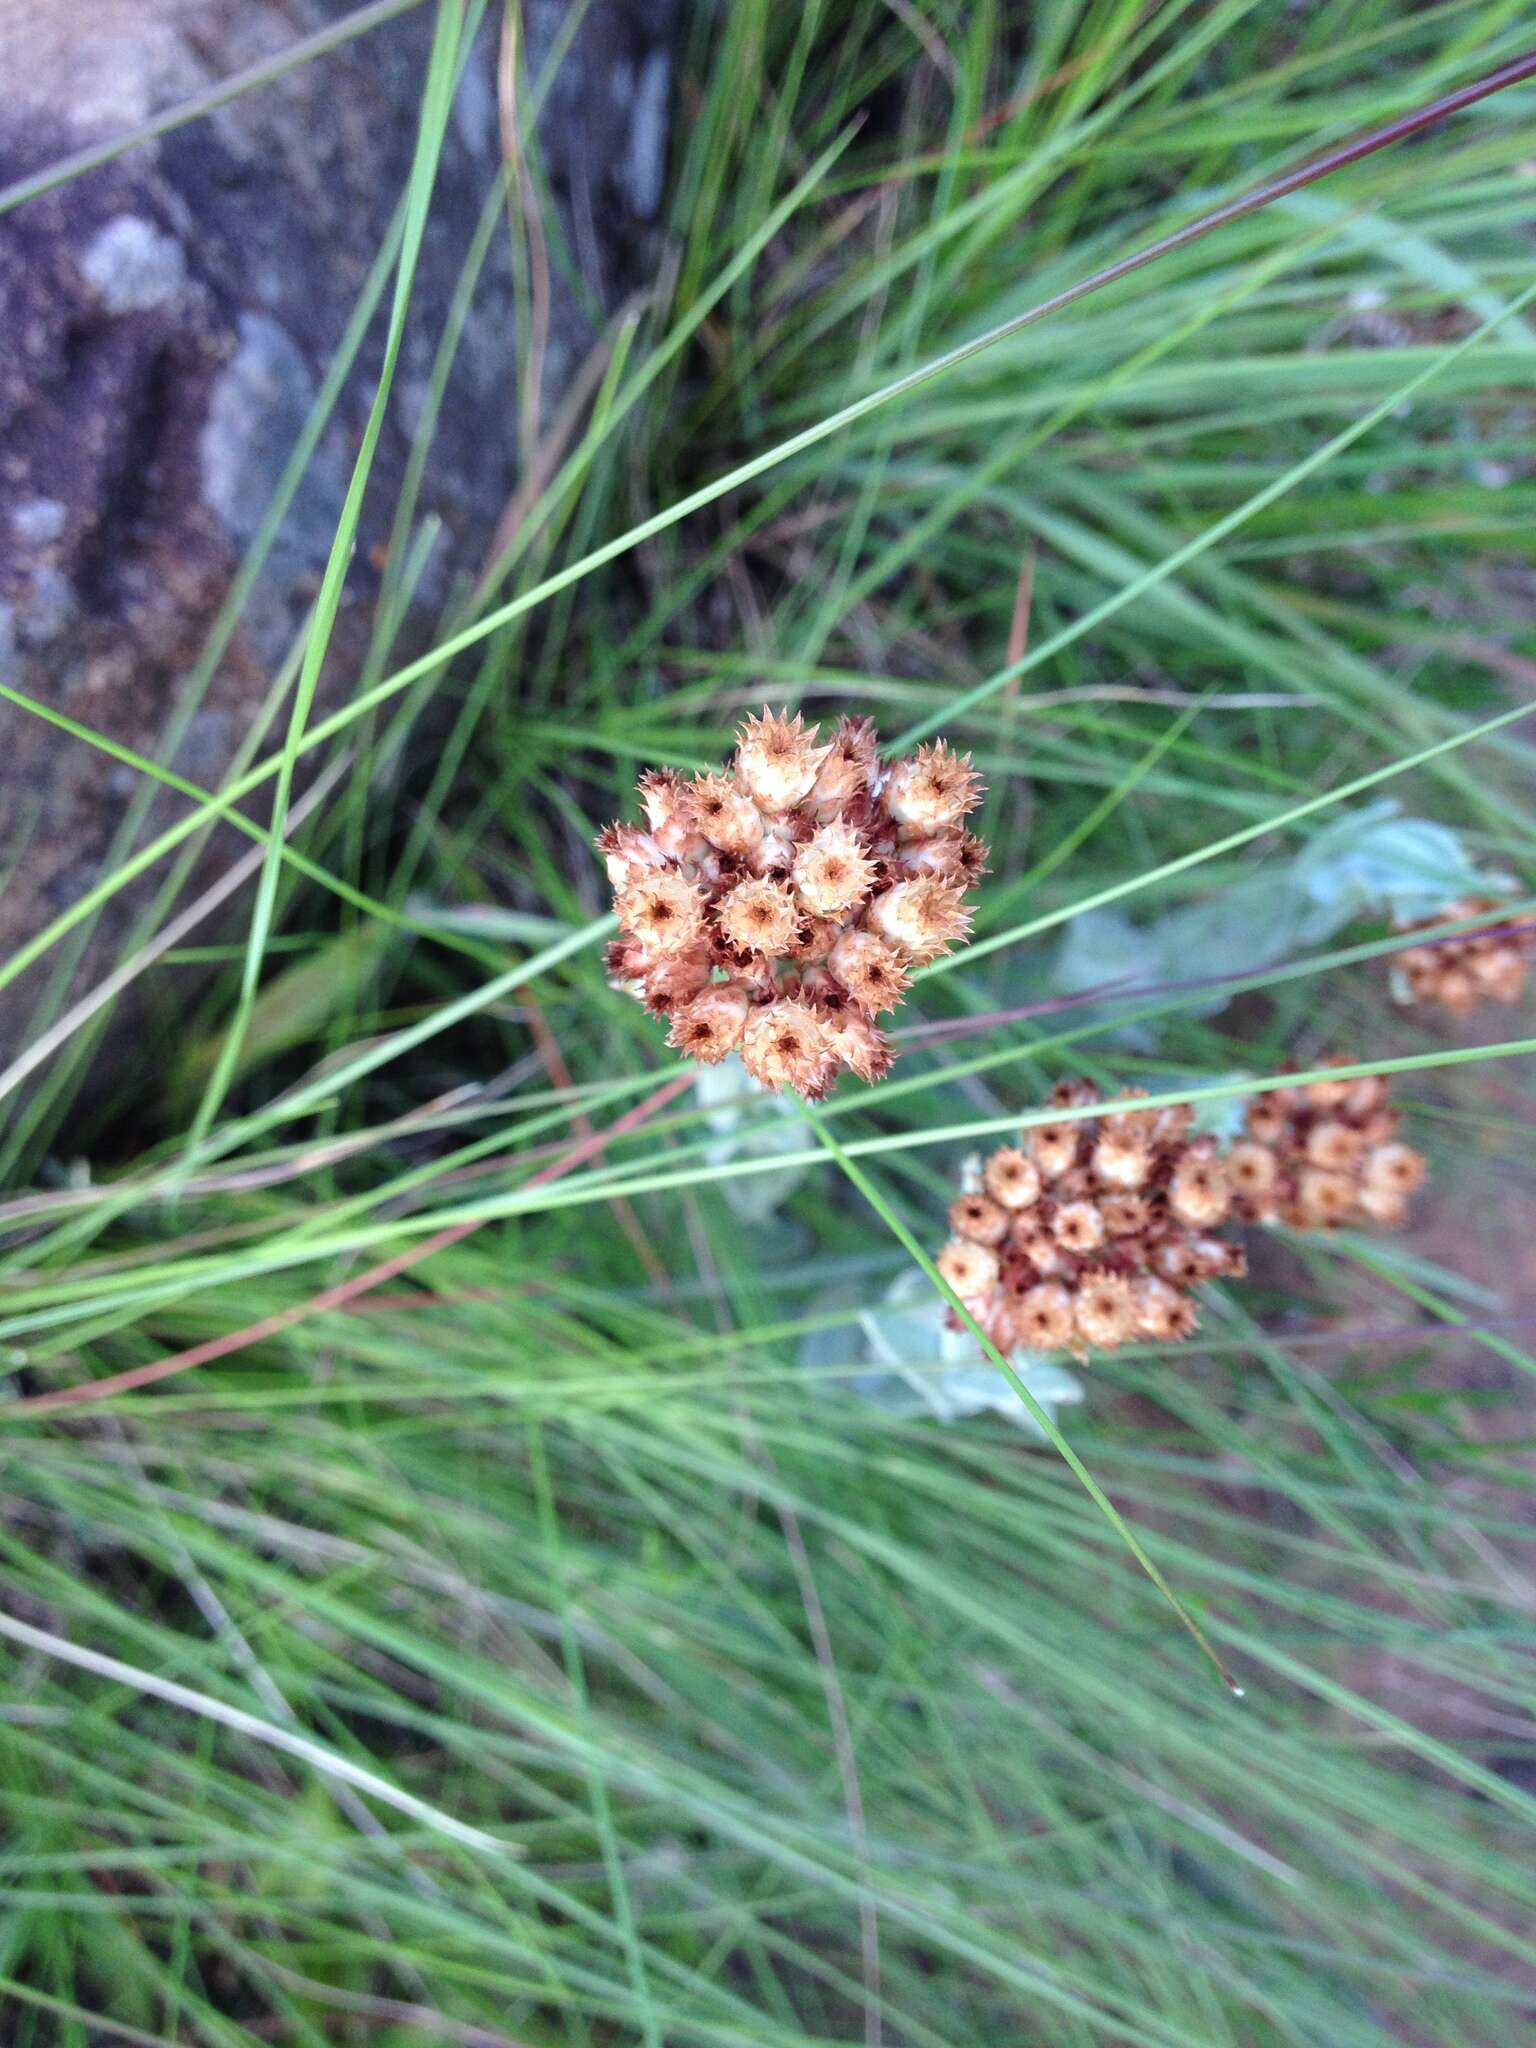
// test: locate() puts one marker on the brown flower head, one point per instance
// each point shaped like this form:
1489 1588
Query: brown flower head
774 853
863 1048
790 876
1044 1317
814 940
1104 1309
778 760
1324 1199
759 917
859 1045
1268 1117
1054 1148
1394 1166
710 1024
1031 1235
668 812
725 814
871 971
832 871
1253 1171
1121 1158
932 791
922 918
1078 1227
628 853
951 857
673 978
663 911
980 1218
1012 1179
848 770
787 1045
1199 1193
1334 1144
1109 1227
970 1268
1163 1314
1126 1215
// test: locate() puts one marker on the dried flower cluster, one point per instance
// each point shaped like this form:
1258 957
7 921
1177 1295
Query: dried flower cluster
1469 968
778 907
1094 1232
1324 1155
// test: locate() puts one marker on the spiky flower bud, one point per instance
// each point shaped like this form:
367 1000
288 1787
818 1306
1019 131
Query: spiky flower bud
1012 1179
673 979
628 853
813 942
1078 1227
761 876
848 770
1324 1199
659 980
1043 1317
932 791
862 1048
663 911
949 857
1334 1144
1394 1166
871 971
979 1218
1121 1160
1268 1117
832 872
1126 1215
970 1268
1104 1310
787 1045
1033 1236
668 812
774 853
710 1024
1054 1148
922 918
1163 1314
1254 1173
1199 1193
778 761
725 814
759 917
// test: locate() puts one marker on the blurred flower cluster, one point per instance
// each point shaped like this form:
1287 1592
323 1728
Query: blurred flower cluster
1323 1155
1464 969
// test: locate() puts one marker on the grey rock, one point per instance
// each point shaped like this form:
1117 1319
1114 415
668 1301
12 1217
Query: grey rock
38 521
133 266
45 608
166 323
645 158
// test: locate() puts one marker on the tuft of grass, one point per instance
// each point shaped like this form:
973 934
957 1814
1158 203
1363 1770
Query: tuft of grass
447 1606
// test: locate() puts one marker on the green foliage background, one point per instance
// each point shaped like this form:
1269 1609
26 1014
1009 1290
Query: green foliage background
533 1651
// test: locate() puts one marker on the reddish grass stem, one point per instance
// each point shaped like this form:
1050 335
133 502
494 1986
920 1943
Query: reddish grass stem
1518 69
344 1294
